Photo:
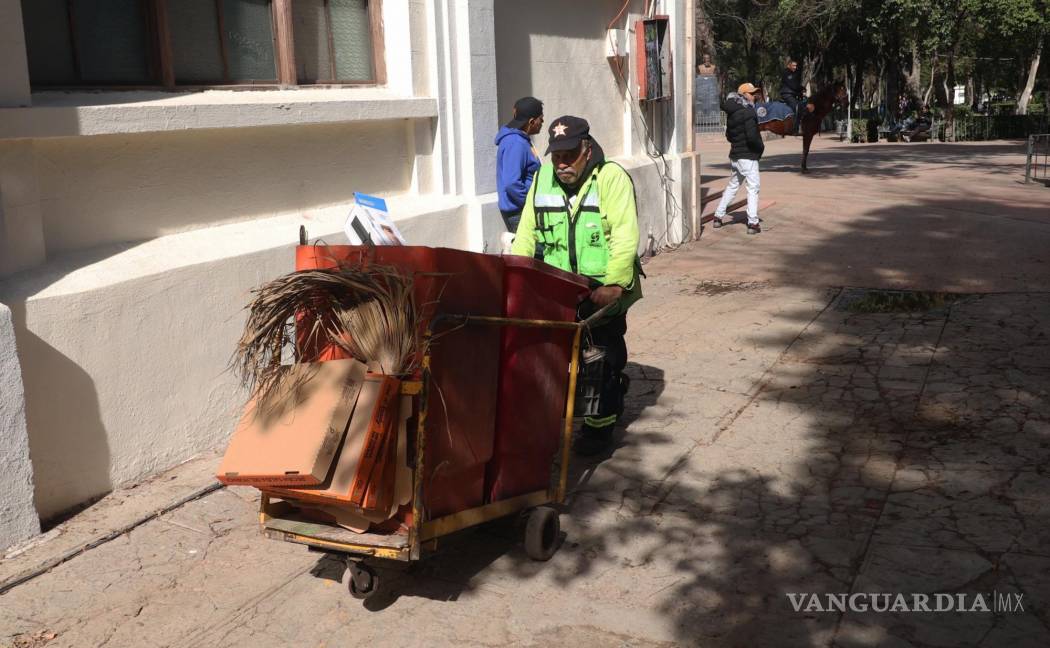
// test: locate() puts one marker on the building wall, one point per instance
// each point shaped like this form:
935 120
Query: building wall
14 73
118 188
555 51
124 350
18 518
132 229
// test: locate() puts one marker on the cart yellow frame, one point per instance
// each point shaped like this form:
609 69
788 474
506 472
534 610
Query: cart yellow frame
425 533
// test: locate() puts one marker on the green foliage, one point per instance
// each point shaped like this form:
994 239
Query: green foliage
953 39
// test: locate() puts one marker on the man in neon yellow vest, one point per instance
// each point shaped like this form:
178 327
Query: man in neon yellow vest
582 209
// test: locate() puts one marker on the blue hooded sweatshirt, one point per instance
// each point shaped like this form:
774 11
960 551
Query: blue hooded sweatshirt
516 164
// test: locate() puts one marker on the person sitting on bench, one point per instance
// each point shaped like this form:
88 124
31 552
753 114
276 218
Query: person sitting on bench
920 128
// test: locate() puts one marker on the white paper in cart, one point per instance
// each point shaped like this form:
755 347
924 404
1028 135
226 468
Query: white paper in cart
369 223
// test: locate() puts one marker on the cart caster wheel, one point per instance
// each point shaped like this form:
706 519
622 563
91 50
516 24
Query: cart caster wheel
363 581
541 533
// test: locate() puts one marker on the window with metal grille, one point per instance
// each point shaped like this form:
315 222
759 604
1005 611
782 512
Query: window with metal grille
179 43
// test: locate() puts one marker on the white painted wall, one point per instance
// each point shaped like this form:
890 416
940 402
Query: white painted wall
130 253
21 222
119 188
555 51
14 70
18 518
124 351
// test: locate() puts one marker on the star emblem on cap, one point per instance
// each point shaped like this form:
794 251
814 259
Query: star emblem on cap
559 130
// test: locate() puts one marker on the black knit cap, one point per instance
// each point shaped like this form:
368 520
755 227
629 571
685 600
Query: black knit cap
567 132
525 109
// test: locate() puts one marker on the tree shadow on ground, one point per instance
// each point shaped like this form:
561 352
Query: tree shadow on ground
902 160
896 445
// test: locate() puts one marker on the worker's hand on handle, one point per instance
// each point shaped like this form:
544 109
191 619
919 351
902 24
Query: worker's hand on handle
606 295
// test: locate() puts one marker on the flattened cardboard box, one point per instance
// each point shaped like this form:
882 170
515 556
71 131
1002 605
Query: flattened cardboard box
337 490
294 442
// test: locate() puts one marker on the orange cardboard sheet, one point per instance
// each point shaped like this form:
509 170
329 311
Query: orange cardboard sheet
294 442
337 491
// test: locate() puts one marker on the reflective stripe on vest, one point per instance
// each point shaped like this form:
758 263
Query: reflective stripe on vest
575 240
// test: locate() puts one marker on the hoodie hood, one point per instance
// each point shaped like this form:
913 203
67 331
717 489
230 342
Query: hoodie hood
734 102
507 131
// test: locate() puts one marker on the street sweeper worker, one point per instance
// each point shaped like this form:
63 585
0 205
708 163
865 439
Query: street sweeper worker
582 208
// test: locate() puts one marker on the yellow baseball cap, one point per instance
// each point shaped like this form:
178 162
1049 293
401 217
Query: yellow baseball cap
746 87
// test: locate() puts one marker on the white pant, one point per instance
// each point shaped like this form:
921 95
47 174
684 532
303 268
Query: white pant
743 171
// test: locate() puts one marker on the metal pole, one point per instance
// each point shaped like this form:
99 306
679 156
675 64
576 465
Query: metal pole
849 109
1028 160
415 536
1046 155
570 407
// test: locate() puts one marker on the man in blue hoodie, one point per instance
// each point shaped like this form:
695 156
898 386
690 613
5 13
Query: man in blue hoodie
516 158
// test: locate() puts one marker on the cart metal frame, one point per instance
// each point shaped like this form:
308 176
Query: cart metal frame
423 534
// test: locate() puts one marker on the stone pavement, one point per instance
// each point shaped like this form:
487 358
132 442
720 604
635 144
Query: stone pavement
789 431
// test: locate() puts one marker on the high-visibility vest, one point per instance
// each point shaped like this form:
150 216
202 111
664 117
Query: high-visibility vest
573 239
576 238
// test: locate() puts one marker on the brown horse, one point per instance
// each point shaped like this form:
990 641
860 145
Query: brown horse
817 108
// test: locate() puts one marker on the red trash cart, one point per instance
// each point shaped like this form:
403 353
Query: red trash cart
516 472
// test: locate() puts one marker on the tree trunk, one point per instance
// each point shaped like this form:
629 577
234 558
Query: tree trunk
915 77
949 81
876 97
858 83
949 78
929 89
705 35
892 88
810 66
1033 70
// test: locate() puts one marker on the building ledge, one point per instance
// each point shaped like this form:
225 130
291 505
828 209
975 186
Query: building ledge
428 219
68 114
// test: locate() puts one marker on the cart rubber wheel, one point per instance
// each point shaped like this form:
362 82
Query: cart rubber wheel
364 581
541 533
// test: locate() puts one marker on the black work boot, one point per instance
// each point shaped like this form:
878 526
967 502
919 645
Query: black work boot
593 440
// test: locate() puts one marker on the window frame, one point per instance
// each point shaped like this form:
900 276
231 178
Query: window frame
160 58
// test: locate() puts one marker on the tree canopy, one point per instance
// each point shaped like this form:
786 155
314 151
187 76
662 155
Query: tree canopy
919 49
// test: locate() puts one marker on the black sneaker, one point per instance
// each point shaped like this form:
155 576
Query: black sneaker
716 223
593 440
754 229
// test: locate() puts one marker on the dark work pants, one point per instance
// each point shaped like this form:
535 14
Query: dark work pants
611 336
511 220
793 102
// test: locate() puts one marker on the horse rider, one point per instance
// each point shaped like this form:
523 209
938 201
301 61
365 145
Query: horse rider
791 89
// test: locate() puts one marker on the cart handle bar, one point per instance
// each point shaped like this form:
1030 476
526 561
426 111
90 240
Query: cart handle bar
513 321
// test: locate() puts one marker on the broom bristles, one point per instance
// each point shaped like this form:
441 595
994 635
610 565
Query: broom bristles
369 314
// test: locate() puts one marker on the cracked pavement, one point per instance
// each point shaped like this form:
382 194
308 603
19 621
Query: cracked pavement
777 441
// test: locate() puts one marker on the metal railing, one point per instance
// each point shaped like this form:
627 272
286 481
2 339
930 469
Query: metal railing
1038 145
710 121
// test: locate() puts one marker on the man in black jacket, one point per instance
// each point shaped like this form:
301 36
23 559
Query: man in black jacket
745 150
791 89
